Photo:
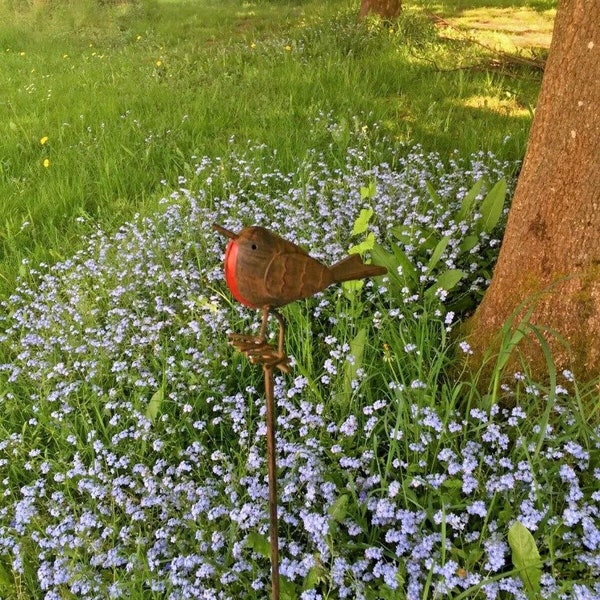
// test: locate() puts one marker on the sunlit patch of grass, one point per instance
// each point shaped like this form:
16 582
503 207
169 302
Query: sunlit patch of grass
502 106
504 29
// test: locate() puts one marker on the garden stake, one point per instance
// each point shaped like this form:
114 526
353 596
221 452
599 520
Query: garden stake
270 357
271 418
262 270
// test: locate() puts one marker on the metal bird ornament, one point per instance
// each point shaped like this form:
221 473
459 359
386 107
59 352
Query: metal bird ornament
263 270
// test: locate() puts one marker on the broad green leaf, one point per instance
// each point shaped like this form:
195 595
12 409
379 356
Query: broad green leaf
368 191
446 281
154 404
468 243
466 205
362 221
366 244
437 253
402 235
492 206
339 508
351 288
430 242
315 576
452 484
393 262
259 544
386 259
525 558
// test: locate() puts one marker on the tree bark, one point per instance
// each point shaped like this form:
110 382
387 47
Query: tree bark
550 254
388 9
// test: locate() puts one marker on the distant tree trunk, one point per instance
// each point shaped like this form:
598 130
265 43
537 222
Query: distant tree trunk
388 9
551 248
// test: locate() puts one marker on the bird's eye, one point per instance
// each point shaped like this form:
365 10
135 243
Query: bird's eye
254 246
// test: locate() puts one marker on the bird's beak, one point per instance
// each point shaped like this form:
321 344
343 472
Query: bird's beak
224 231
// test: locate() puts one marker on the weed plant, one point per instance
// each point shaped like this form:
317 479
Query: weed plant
132 438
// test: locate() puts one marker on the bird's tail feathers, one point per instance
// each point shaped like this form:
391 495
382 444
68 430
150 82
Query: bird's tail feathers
352 267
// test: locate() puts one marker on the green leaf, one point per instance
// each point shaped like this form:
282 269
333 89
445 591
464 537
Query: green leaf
453 484
259 544
434 195
315 576
525 558
362 221
154 404
393 261
437 253
403 235
366 244
357 350
469 242
368 191
339 509
382 593
287 589
466 205
446 281
492 206
351 288
408 270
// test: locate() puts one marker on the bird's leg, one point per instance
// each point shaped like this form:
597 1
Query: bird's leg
256 347
262 334
252 343
280 349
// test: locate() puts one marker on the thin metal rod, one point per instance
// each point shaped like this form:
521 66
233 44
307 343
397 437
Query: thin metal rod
272 463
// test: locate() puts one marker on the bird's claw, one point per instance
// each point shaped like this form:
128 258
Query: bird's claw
259 351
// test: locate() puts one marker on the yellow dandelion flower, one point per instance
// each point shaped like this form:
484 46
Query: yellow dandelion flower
21 53
65 56
46 162
138 38
158 63
288 48
44 140
252 45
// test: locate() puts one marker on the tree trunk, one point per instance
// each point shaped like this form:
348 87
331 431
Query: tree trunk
388 9
551 249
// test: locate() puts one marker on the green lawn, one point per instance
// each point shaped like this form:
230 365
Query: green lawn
127 94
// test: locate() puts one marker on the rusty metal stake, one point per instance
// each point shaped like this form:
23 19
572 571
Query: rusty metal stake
271 418
271 358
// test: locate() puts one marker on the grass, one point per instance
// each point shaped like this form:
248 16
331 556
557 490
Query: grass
128 93
132 450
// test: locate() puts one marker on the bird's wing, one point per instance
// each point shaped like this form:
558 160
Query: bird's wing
294 275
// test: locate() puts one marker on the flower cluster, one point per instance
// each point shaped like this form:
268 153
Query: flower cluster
132 439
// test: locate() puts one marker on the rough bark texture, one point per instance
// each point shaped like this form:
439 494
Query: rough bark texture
388 9
552 240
